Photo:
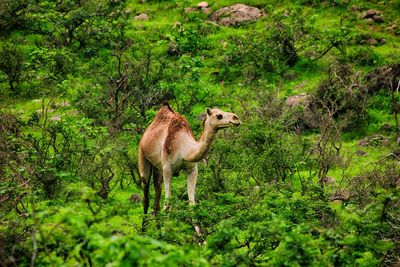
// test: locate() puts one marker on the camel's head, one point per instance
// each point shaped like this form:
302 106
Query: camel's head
218 119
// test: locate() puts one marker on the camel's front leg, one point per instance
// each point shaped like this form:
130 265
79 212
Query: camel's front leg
191 185
167 174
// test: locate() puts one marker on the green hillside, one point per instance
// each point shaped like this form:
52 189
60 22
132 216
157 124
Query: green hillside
310 178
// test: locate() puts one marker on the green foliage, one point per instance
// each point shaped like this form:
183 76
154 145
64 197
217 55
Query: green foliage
11 15
11 64
271 50
84 25
57 153
364 56
128 85
191 40
51 65
343 95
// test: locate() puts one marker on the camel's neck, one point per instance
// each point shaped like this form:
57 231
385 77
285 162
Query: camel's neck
200 148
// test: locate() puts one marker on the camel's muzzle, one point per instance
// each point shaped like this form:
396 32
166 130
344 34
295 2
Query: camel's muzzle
235 123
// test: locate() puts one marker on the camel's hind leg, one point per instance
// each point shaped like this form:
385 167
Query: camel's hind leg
167 175
145 168
157 179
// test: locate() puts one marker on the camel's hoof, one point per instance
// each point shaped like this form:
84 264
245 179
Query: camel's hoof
198 230
199 237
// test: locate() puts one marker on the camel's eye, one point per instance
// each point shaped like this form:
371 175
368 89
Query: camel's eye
219 116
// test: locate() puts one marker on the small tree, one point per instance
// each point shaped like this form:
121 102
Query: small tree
12 14
342 95
393 82
11 64
133 87
328 145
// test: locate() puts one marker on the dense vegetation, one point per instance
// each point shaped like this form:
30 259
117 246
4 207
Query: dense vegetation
310 178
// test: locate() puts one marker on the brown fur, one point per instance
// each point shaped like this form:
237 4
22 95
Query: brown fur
177 123
163 116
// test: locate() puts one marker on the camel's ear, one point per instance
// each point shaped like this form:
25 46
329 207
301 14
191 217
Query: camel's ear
202 116
209 112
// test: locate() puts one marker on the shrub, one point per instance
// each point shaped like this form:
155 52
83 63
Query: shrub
12 15
191 40
364 56
258 53
58 152
343 95
11 64
127 86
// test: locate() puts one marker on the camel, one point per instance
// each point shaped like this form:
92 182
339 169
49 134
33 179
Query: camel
168 146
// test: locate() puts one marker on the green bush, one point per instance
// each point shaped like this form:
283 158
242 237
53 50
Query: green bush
191 40
12 64
364 56
343 95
